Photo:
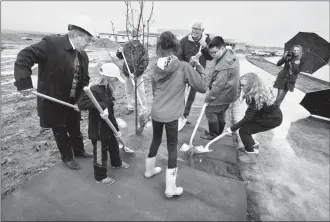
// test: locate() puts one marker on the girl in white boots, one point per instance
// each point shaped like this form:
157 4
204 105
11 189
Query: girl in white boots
169 78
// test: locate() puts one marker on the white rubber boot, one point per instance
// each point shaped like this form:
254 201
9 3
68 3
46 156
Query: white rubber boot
151 170
171 189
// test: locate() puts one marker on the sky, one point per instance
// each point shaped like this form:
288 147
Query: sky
262 23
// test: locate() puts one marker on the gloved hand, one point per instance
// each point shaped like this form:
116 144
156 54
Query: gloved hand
229 130
105 114
118 134
120 49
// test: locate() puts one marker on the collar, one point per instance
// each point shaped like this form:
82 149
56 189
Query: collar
203 37
72 44
68 43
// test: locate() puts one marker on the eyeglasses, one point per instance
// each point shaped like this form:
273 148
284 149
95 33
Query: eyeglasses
213 53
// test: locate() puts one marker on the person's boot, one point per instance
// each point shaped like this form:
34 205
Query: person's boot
151 170
72 164
213 131
255 147
248 157
171 188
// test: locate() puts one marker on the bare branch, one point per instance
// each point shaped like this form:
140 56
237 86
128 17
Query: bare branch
112 27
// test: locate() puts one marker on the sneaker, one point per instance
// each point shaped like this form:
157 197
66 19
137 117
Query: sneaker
123 165
106 180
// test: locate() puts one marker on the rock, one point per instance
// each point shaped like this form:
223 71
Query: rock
3 162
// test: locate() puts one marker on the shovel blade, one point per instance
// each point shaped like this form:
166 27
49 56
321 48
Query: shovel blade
185 147
201 149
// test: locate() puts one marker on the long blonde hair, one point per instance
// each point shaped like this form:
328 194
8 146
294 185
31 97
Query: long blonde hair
298 57
257 90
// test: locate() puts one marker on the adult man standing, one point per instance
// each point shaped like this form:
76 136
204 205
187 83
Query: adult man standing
189 46
137 58
223 85
62 74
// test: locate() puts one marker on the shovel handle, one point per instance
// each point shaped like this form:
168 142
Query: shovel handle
197 124
97 105
215 139
55 100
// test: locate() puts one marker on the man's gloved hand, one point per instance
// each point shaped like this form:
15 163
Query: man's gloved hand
118 134
26 92
105 114
229 131
203 42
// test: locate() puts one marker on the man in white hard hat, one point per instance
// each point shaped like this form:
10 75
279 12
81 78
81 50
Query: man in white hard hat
62 74
189 47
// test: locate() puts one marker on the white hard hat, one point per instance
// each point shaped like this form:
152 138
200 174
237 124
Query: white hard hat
111 70
84 23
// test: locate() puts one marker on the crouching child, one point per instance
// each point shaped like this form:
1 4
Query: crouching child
101 135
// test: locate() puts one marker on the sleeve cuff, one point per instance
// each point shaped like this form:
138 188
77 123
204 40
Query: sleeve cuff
24 84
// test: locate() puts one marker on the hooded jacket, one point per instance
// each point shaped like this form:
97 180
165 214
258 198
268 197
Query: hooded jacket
268 116
224 81
169 78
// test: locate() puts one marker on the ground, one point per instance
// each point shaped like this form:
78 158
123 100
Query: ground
290 181
26 149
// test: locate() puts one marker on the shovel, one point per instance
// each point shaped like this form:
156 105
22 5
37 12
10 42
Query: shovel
55 100
185 147
202 149
97 105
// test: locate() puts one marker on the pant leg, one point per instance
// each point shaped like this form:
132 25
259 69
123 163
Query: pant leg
113 148
129 90
211 115
157 128
172 143
281 93
190 101
142 93
73 127
247 131
100 159
63 143
221 116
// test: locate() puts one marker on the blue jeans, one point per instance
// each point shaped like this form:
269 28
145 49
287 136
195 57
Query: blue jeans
172 140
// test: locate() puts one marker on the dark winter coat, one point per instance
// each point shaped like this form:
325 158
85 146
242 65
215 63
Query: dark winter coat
55 57
98 129
284 79
267 116
189 48
224 80
136 55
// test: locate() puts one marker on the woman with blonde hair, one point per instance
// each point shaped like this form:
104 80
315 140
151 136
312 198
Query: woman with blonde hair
261 115
287 77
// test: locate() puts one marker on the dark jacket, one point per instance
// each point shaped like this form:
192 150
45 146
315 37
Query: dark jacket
189 48
98 129
136 55
284 79
168 87
224 80
268 116
55 58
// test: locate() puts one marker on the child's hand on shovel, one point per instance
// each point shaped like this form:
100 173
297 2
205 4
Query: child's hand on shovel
105 114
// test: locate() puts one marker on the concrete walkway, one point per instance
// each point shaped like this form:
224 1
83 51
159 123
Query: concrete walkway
212 189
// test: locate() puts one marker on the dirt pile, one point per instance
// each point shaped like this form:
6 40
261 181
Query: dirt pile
102 43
